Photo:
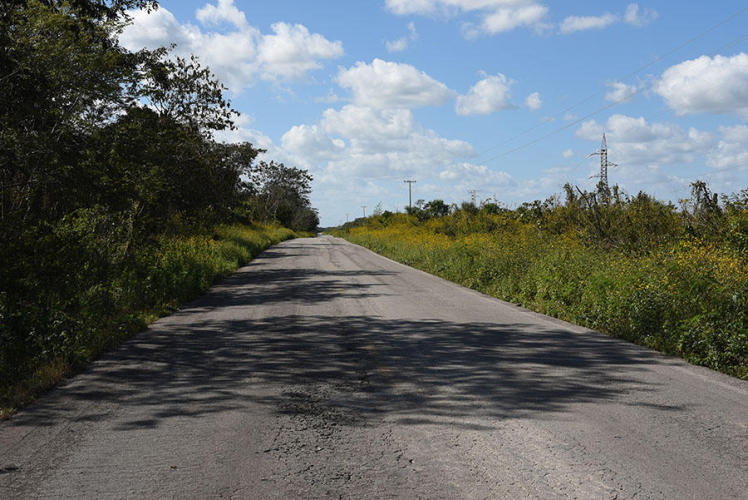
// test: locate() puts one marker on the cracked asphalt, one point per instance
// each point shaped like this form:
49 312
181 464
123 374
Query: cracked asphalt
322 370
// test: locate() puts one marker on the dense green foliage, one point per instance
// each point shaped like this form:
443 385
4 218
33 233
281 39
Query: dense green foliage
108 164
99 314
674 279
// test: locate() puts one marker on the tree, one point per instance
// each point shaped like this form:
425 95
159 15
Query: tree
102 152
186 92
63 76
281 193
437 208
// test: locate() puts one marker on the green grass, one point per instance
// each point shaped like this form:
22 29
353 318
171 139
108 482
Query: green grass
688 298
168 274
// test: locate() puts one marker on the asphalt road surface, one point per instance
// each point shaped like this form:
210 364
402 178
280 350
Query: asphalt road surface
322 370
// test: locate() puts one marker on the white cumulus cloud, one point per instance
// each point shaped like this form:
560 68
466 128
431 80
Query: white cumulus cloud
384 84
291 51
459 178
487 96
359 156
493 16
658 157
498 16
235 51
620 92
633 16
514 16
732 150
572 24
533 101
397 45
312 142
706 84
371 143
638 143
636 17
223 11
402 43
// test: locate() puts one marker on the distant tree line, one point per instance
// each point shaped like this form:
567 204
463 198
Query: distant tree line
603 218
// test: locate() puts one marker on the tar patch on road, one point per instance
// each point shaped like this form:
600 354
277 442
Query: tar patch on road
8 469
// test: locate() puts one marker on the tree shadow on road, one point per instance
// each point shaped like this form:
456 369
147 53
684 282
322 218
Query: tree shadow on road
272 286
411 371
208 358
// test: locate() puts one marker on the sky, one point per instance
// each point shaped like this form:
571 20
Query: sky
506 97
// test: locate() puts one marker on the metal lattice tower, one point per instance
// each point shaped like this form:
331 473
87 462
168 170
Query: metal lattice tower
473 195
604 164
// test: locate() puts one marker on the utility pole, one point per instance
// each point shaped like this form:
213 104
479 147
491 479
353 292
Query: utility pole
410 197
604 164
363 207
346 218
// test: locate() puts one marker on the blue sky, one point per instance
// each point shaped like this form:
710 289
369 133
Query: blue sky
504 96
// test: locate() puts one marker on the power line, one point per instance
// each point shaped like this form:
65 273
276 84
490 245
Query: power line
729 44
596 94
568 125
591 114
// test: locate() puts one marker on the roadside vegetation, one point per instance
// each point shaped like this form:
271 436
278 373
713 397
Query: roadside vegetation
671 278
85 314
117 203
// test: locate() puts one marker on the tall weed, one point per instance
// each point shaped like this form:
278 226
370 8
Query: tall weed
108 297
684 296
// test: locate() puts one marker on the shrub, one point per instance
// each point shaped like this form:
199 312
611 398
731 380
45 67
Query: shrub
656 284
105 298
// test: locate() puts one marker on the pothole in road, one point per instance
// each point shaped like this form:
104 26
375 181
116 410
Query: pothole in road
318 407
322 439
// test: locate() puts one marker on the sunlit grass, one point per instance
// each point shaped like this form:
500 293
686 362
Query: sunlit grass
688 298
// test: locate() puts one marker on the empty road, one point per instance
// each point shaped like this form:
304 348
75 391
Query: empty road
322 370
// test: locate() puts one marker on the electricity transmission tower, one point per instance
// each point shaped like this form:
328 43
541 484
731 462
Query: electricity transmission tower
603 186
473 195
410 197
363 207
